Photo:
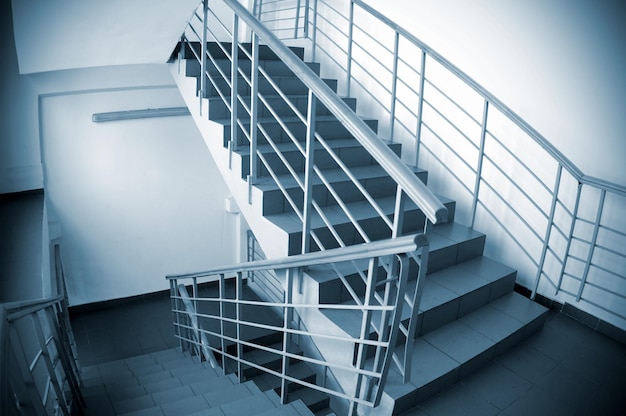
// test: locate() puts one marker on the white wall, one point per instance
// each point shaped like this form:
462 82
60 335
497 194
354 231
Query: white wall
559 64
78 34
135 200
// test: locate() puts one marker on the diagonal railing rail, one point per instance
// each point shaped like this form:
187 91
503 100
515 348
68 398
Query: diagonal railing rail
224 316
561 228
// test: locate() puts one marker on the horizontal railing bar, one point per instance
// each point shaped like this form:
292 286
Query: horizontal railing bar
597 305
451 124
493 101
375 40
445 166
509 233
403 244
414 188
449 147
521 163
453 102
510 180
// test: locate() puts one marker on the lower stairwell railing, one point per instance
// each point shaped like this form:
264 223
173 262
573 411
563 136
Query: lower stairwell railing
39 374
221 319
562 229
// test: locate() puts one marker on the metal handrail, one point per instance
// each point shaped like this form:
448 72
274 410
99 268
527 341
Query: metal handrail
576 201
412 186
21 389
366 378
404 244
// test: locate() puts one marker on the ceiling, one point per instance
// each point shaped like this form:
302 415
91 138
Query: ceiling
51 36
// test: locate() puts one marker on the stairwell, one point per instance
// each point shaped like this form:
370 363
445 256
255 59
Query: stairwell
469 312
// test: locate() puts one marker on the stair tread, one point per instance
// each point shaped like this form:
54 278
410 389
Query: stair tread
360 210
448 285
286 120
447 353
287 181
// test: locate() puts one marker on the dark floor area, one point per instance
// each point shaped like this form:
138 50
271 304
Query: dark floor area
565 369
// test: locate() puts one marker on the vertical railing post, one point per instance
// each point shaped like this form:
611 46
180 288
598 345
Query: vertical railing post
349 51
222 296
420 109
45 354
287 318
398 213
479 167
308 172
366 323
254 104
592 245
546 242
203 49
569 238
305 33
234 88
394 85
238 316
314 36
297 20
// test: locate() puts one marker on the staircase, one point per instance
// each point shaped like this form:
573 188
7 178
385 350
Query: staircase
469 312
171 383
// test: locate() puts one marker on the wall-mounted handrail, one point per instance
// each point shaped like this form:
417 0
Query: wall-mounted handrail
486 157
432 207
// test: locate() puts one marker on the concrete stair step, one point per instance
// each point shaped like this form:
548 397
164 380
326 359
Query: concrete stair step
453 351
217 51
447 295
221 66
269 105
349 151
375 228
372 177
327 126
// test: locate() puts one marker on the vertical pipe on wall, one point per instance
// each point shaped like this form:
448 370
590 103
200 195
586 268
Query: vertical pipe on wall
546 242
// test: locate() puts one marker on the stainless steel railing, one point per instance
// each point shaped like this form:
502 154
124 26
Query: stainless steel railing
38 370
245 123
222 316
558 226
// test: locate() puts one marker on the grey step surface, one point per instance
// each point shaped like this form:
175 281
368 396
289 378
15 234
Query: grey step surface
469 312
455 350
171 383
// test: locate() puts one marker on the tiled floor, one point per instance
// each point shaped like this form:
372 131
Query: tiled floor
565 369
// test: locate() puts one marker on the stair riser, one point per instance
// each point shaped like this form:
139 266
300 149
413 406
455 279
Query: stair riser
275 202
376 229
350 156
327 129
223 66
217 52
217 86
219 111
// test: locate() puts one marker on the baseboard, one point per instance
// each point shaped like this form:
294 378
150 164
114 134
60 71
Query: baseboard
579 315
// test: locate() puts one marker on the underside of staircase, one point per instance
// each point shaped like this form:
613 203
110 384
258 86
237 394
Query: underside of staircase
469 312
